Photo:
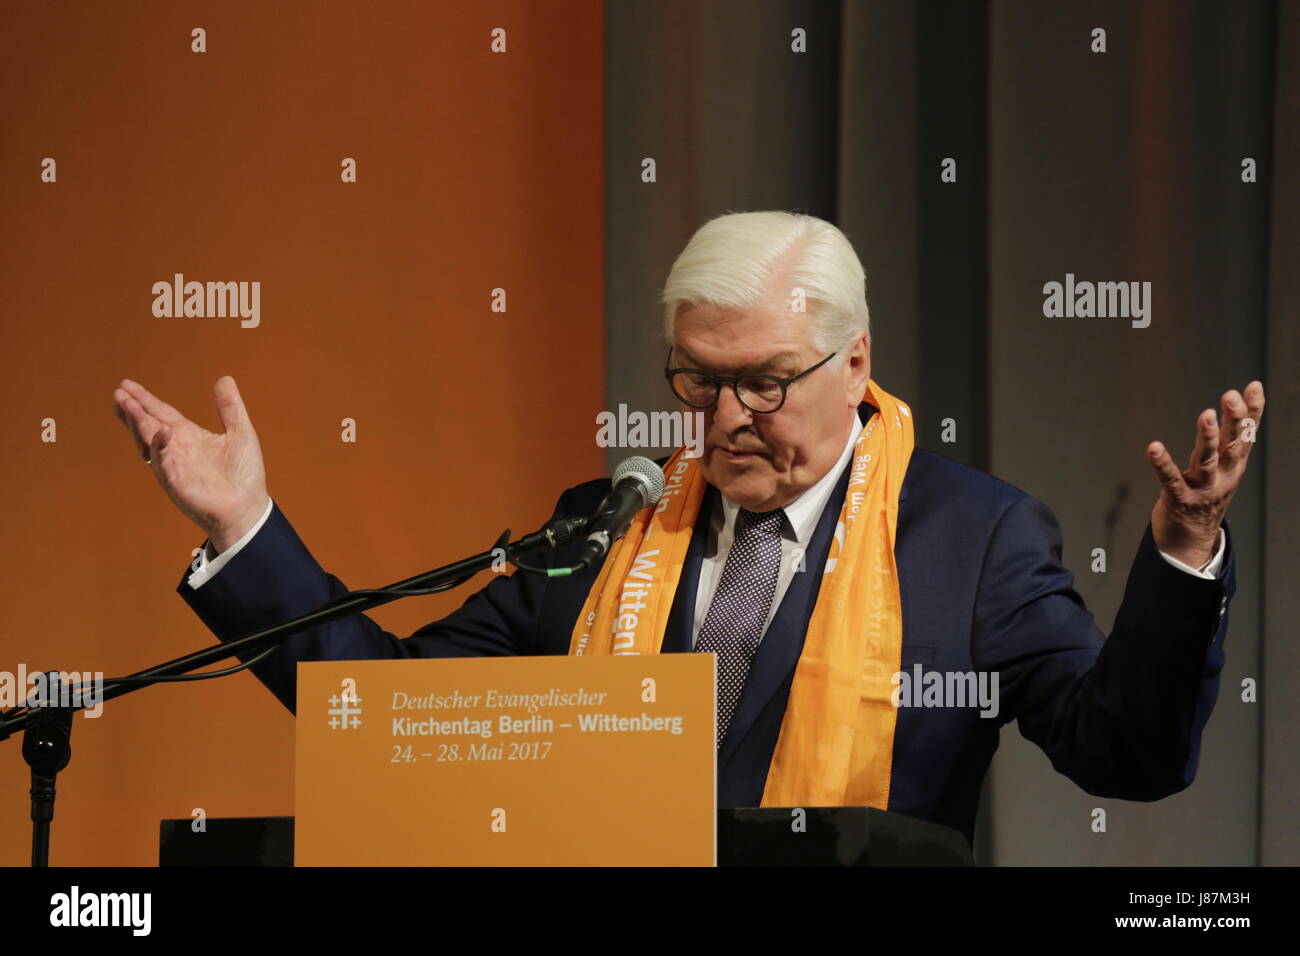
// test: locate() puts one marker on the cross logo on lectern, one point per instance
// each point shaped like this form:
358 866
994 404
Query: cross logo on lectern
345 711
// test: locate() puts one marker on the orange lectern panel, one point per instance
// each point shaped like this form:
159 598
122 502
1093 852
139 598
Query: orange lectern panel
507 761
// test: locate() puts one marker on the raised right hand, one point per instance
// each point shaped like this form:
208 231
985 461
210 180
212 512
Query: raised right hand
217 481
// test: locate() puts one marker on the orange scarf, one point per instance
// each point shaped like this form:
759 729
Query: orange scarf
837 737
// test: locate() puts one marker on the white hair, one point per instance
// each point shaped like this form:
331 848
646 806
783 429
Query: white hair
750 260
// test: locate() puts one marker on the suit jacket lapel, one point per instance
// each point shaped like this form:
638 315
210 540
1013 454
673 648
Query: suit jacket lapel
678 635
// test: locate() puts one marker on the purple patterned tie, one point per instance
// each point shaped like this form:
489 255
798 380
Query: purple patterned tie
734 624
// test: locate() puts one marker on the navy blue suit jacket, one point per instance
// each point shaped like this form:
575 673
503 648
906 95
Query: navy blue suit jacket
983 589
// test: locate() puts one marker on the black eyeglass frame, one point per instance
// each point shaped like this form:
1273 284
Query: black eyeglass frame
735 380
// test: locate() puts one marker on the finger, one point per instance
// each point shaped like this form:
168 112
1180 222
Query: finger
125 419
158 446
1166 471
155 406
1205 452
1234 413
230 405
140 423
1254 395
119 396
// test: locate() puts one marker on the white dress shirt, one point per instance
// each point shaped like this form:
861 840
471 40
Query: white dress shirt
801 517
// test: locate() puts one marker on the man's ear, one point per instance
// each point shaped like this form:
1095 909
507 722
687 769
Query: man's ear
857 368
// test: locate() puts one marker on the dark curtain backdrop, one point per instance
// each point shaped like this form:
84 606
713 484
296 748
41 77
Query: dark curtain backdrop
1115 166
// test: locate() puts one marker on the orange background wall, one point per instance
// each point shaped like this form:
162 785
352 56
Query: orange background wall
475 171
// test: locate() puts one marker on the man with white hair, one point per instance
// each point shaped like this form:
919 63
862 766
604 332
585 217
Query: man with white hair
821 556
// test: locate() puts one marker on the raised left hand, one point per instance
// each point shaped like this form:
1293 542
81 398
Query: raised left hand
1185 521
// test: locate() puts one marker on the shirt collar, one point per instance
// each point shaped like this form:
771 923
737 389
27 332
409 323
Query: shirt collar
801 514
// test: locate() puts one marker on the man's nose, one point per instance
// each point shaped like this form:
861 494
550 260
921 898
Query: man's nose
730 413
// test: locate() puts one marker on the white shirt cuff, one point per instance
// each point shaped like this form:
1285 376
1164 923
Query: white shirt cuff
1211 569
208 568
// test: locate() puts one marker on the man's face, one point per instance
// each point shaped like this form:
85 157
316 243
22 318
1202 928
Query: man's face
765 461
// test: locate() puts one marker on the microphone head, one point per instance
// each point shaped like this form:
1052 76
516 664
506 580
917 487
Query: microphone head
648 476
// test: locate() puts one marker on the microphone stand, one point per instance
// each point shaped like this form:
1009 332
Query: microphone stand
47 726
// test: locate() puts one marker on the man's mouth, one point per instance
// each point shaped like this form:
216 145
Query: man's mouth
732 454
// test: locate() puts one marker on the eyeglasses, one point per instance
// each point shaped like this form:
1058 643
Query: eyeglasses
763 394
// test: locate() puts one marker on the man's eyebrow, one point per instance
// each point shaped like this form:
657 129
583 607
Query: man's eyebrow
774 362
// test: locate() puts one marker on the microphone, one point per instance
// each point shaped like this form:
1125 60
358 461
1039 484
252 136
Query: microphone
638 483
